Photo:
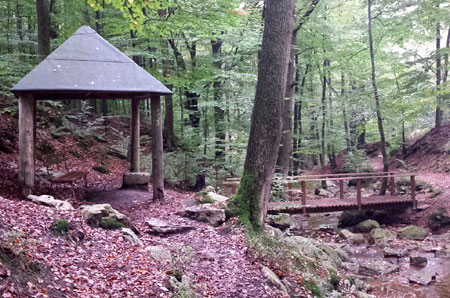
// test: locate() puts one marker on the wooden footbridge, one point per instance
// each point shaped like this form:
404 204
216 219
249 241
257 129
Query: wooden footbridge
300 204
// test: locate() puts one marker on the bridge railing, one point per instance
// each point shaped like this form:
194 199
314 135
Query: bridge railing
290 181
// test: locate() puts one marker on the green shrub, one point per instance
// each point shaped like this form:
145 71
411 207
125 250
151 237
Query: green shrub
205 200
60 227
100 169
312 286
110 224
334 280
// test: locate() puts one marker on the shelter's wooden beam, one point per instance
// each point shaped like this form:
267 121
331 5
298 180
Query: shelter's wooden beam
135 135
157 149
27 137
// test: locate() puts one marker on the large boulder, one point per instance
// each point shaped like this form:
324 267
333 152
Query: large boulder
313 249
422 277
395 253
136 180
413 232
367 225
379 235
95 214
376 268
204 213
159 227
216 197
51 202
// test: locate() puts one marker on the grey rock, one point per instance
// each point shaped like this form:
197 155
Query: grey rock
204 213
159 227
182 288
136 180
362 294
281 221
130 236
443 253
375 268
395 253
274 280
273 232
413 233
379 235
216 197
51 202
94 214
351 238
159 254
423 277
367 225
418 261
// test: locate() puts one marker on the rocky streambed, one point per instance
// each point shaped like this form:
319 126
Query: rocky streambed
395 260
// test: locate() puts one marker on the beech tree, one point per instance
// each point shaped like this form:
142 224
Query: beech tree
265 132
43 22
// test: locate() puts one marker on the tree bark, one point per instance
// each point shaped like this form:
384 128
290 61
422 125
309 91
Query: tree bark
284 153
265 132
219 113
135 135
157 149
27 140
344 113
298 115
439 112
377 103
168 132
43 22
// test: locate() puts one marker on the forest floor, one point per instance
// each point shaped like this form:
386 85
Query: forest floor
217 260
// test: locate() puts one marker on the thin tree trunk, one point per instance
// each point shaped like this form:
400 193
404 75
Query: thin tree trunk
344 113
219 113
157 149
298 115
324 119
377 103
265 133
438 77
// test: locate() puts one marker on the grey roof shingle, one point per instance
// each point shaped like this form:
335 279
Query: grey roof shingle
87 66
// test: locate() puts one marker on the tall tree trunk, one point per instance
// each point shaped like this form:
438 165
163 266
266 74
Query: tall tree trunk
251 199
377 103
439 112
168 131
157 149
219 113
344 113
324 119
298 114
284 153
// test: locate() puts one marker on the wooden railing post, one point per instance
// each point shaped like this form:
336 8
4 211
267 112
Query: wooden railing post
392 186
341 189
413 191
358 194
303 183
233 188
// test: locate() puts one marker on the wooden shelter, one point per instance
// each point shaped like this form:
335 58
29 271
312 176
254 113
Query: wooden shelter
86 66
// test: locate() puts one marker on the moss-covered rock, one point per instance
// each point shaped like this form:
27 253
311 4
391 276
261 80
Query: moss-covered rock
413 232
367 225
379 235
351 218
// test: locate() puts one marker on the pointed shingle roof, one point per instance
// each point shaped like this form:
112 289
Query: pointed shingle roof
87 66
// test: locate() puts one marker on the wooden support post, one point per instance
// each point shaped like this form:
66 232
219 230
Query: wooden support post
157 149
135 135
341 189
27 139
303 183
358 194
233 188
413 191
392 186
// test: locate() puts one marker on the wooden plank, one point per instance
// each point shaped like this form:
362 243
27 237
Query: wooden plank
356 177
341 189
413 191
27 122
135 135
358 193
392 184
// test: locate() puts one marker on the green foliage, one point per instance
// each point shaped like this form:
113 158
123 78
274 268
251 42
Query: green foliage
110 224
204 200
334 280
312 286
101 169
60 227
357 161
